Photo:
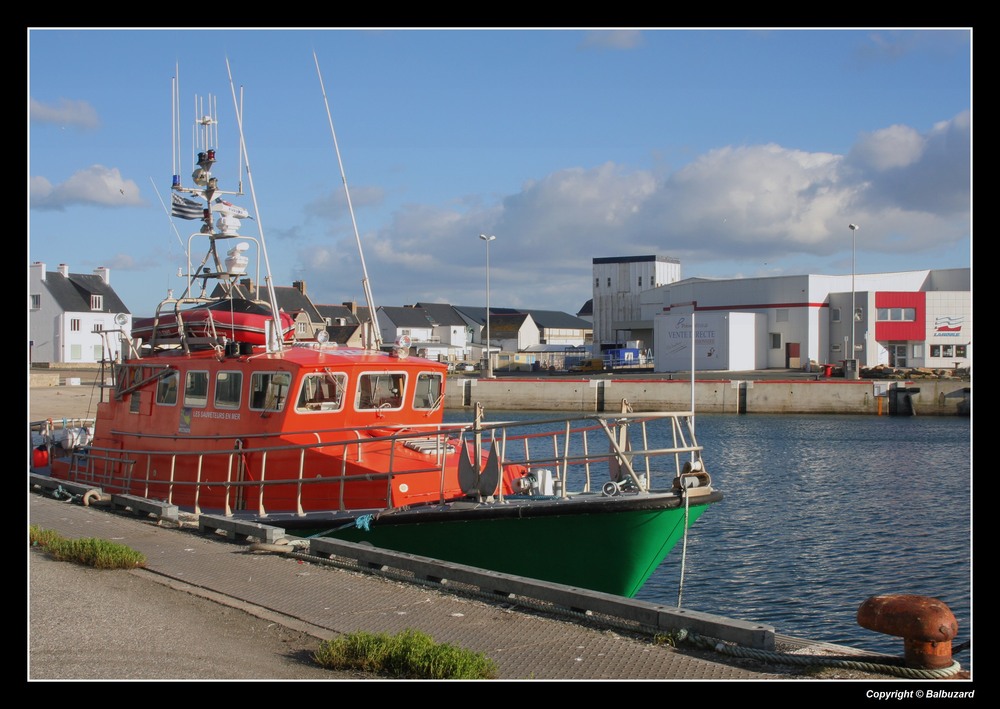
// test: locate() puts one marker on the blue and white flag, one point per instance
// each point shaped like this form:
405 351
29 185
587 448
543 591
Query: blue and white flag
185 208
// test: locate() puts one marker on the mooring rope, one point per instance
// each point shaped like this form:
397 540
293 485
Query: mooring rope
841 662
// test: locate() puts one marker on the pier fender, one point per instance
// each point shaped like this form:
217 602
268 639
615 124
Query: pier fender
693 475
40 457
926 625
92 496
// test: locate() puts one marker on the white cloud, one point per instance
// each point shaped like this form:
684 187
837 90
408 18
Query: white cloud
97 185
78 114
612 39
745 206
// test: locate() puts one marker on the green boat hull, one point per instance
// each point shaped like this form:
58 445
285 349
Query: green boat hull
613 552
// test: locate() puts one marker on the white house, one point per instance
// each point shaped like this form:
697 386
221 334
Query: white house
68 312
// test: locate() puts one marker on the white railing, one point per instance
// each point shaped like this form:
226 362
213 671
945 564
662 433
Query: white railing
637 452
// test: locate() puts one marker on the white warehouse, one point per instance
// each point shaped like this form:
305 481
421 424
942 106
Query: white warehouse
904 319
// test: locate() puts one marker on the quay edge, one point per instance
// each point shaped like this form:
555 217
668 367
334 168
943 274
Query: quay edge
932 397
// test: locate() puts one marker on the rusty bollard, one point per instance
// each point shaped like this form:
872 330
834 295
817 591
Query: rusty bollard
926 625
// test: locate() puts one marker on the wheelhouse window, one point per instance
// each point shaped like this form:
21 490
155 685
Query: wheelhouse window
380 391
427 392
227 390
166 389
322 391
269 390
196 389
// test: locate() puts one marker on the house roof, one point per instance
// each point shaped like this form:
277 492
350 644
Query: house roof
407 316
506 323
343 334
556 319
335 312
544 319
442 314
72 293
290 299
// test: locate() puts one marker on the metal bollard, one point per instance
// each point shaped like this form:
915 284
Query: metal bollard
926 625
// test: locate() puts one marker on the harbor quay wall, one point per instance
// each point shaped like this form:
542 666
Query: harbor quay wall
825 396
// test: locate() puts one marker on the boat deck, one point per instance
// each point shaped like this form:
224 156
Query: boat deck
326 599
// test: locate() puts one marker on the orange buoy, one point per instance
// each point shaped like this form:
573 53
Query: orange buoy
40 457
926 625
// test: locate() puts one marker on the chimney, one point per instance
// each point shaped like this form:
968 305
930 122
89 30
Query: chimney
248 284
300 286
39 266
352 306
104 272
64 270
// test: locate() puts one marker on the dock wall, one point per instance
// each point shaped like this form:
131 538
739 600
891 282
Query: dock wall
921 398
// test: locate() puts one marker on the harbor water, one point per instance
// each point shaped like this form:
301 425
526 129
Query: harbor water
820 513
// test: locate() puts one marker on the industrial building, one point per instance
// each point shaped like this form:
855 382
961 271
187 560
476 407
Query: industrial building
906 319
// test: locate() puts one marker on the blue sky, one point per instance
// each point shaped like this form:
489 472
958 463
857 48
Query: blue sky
738 152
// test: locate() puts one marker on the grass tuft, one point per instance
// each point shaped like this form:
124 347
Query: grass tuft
407 655
99 553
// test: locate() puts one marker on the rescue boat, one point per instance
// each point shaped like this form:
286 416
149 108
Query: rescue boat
215 406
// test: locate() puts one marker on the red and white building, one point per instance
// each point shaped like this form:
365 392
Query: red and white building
903 319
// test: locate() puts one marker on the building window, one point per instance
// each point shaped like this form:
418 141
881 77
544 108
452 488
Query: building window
781 315
75 353
640 281
597 283
74 325
943 350
97 302
960 351
609 281
98 327
300 328
775 340
834 314
896 314
36 301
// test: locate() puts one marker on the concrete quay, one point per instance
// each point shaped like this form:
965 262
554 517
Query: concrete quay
759 392
208 607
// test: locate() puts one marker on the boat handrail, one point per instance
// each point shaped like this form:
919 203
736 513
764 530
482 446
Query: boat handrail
625 447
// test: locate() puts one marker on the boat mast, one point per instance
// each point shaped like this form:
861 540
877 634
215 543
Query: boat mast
376 335
275 337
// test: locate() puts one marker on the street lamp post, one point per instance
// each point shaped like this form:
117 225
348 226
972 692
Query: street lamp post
489 357
854 324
